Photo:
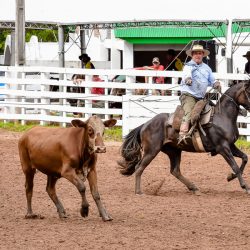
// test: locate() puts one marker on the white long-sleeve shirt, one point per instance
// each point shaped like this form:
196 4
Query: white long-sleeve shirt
202 77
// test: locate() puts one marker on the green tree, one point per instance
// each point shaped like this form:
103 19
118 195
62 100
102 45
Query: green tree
3 36
43 36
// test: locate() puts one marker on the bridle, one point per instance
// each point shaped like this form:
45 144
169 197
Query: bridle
233 101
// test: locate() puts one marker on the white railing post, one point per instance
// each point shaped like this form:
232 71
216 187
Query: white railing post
88 102
23 88
106 104
125 115
7 97
174 83
150 80
129 79
64 101
43 100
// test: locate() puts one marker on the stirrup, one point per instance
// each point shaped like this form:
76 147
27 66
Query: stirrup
183 138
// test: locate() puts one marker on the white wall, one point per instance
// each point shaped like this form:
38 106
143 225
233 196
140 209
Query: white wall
238 59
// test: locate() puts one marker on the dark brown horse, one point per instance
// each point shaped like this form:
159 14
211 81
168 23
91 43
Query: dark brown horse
143 143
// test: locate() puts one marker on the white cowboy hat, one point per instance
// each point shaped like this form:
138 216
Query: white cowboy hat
197 47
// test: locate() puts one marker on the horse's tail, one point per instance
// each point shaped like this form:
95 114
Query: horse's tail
130 152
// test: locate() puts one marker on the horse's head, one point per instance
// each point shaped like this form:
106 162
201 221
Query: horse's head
243 95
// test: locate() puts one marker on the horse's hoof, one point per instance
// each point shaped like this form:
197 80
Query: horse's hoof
107 218
139 193
84 211
63 215
197 192
34 216
230 177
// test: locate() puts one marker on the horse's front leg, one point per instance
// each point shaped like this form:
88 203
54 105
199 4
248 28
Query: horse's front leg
228 156
238 153
142 164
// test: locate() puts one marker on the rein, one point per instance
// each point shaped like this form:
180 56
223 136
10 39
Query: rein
232 100
241 111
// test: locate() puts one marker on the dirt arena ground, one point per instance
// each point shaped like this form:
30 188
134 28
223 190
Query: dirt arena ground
167 216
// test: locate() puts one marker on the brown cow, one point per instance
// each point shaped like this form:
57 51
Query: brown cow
64 152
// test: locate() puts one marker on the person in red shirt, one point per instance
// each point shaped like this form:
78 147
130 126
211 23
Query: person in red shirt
159 80
97 91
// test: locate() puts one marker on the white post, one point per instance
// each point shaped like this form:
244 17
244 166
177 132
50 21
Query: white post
128 60
106 104
43 100
64 101
88 103
229 47
20 33
125 115
23 100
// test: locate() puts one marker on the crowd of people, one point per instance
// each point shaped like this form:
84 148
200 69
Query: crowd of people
197 76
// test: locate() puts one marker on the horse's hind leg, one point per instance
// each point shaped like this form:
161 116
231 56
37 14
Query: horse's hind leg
238 153
51 190
175 160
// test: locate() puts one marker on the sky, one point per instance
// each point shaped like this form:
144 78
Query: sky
85 11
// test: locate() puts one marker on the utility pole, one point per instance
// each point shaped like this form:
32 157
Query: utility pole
20 33
61 46
229 47
82 41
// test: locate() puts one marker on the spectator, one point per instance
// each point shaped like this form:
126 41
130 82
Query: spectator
77 80
86 61
159 80
247 65
173 62
97 91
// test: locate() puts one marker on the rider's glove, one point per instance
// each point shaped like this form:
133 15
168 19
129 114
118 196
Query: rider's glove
217 86
188 81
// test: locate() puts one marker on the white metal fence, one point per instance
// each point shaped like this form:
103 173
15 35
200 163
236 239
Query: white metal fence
26 95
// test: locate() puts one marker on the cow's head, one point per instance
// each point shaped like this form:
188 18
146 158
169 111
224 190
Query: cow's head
95 128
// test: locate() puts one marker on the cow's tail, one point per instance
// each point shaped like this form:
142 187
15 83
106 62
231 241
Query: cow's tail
130 152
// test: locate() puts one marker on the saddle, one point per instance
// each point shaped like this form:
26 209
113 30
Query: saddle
201 116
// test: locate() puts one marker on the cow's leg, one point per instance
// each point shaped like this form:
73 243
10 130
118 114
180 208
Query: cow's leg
71 175
51 190
29 180
238 153
92 178
175 160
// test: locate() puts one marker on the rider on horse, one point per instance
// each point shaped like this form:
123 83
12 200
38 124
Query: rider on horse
197 76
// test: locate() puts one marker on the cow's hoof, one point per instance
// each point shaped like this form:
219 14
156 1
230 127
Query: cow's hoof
84 211
34 216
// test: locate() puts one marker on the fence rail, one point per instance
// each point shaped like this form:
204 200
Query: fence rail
26 95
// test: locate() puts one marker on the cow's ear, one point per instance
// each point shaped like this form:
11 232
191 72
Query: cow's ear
78 123
110 122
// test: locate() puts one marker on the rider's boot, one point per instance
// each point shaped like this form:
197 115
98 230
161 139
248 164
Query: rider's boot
183 134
